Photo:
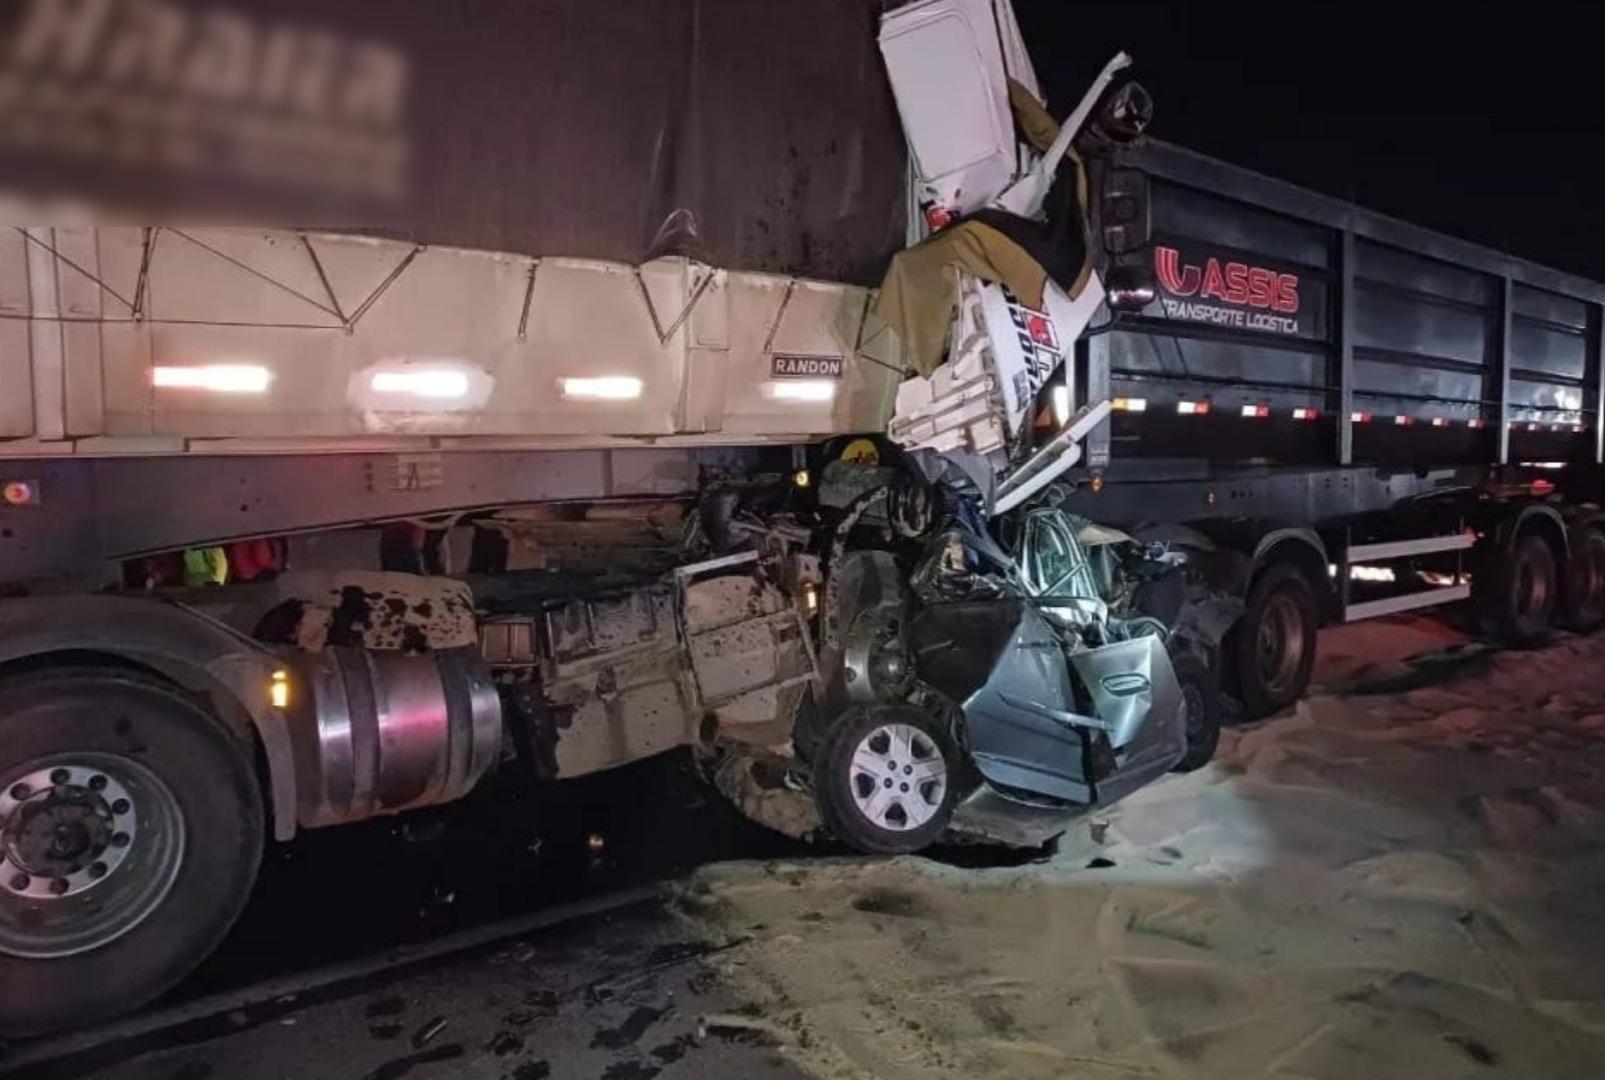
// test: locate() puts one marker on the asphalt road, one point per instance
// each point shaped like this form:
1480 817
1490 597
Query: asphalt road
522 1009
509 849
623 996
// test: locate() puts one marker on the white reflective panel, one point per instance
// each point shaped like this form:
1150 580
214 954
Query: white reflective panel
602 387
217 378
804 390
415 392
422 383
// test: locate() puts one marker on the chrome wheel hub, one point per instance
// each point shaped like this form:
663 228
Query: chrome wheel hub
65 830
899 777
90 845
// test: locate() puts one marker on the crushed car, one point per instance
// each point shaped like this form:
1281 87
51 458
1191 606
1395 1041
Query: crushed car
981 687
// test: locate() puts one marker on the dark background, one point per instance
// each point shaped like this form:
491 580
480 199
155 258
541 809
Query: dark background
1480 122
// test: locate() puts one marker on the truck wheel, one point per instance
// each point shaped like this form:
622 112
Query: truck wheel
130 832
1200 696
1526 587
1585 600
885 781
1275 640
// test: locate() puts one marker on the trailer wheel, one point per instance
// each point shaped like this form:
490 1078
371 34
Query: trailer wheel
1585 600
130 833
1526 587
1275 640
1201 698
886 781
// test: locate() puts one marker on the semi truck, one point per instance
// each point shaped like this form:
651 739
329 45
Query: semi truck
300 527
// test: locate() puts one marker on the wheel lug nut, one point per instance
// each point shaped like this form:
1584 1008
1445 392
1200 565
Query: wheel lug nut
97 783
20 882
59 886
888 781
20 791
908 770
60 777
904 787
97 870
120 806
119 839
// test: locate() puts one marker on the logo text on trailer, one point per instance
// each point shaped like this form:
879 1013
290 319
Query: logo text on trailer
792 366
1255 297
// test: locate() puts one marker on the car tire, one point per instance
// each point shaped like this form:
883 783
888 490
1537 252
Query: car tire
1274 641
1525 594
1201 698
122 769
887 779
1585 596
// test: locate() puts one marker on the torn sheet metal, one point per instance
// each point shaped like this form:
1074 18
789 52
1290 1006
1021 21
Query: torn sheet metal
948 75
750 655
632 673
613 683
1001 355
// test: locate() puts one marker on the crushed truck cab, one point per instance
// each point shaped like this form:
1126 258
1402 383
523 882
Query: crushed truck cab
1013 274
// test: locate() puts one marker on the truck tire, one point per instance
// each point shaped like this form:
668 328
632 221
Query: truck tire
1274 641
1201 697
1585 598
1526 588
886 780
131 825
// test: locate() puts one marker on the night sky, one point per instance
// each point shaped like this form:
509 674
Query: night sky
1490 130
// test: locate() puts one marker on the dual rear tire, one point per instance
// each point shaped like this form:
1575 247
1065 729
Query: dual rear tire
1272 649
1530 594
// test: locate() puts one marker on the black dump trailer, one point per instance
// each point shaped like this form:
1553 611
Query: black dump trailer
1383 418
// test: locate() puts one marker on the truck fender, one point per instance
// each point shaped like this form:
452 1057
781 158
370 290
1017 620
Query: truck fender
1264 543
1514 520
184 646
1580 518
1304 548
1215 560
